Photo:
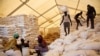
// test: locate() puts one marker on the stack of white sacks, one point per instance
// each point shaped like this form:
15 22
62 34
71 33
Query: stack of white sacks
83 42
25 25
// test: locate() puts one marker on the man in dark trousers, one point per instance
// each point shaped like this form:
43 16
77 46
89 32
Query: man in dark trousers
66 21
77 18
91 13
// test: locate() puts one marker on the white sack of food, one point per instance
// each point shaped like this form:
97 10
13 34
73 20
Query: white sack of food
51 47
10 52
69 39
60 40
17 53
74 46
56 43
74 53
60 49
68 48
91 46
63 8
25 51
84 34
52 53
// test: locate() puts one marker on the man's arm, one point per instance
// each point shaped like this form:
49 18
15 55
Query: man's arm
94 11
82 17
70 19
62 20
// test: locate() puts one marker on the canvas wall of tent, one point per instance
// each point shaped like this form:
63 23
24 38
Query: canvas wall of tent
48 12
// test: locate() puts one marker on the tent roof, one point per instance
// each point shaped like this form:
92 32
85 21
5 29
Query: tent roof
46 11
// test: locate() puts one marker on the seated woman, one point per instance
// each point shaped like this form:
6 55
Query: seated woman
42 46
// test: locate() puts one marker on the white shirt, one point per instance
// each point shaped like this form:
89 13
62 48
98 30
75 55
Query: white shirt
66 19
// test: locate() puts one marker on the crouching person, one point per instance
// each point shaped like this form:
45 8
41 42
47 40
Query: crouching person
11 48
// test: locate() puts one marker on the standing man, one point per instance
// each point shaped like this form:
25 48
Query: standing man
66 22
77 18
91 13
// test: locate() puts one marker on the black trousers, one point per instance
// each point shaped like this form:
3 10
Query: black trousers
78 23
91 19
66 25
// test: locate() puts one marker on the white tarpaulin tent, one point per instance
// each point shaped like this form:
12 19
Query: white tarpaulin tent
46 11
